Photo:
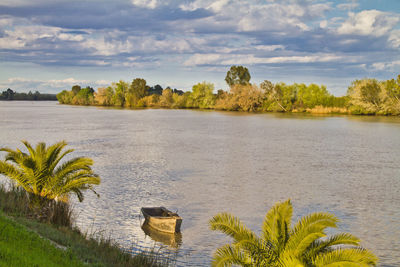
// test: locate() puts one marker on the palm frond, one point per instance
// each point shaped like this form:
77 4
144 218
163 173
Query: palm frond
15 156
73 165
60 157
29 147
309 229
228 255
276 225
13 173
322 246
289 261
346 257
231 226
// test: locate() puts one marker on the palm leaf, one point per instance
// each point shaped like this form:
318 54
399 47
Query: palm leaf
52 155
307 230
276 225
228 255
16 175
346 257
322 246
242 236
73 165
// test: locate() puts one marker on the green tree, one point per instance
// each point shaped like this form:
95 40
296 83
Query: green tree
392 96
202 95
7 94
237 75
41 173
365 96
166 99
157 89
137 90
273 96
285 246
393 88
75 89
65 97
104 96
120 89
84 96
311 96
246 97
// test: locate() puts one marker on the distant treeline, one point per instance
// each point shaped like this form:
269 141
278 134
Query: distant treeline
11 95
366 96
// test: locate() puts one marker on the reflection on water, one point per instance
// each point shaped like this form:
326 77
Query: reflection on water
201 163
172 240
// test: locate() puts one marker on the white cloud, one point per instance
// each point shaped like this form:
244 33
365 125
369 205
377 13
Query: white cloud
145 3
70 37
218 59
394 38
386 66
105 47
368 22
348 6
218 5
11 43
24 36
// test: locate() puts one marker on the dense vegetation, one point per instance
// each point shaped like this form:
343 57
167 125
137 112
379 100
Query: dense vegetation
280 245
12 95
366 96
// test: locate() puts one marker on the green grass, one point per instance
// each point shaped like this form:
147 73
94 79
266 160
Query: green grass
22 247
93 251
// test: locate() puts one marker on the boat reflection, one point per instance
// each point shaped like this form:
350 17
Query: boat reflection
171 240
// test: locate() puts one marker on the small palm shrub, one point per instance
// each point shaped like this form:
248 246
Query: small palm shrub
47 181
282 245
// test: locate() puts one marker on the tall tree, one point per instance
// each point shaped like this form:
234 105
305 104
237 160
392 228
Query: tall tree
281 245
392 96
84 96
75 89
120 89
365 96
137 90
202 95
272 93
237 75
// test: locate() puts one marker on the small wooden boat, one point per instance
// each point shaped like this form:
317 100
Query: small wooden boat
162 219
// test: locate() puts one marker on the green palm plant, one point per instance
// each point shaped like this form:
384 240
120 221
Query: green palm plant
283 245
41 173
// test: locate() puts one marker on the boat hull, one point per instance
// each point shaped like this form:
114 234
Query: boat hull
162 219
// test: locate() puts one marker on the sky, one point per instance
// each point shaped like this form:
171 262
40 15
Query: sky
50 45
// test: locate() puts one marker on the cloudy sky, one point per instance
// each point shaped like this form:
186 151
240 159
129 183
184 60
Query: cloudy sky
49 45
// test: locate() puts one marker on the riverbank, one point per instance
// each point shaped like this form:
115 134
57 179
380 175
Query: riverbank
364 97
25 241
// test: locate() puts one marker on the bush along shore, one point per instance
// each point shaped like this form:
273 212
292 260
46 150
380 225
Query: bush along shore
364 97
37 222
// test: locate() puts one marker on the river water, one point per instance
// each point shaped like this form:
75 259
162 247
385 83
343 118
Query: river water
200 163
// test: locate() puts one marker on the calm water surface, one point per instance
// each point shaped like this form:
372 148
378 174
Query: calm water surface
201 163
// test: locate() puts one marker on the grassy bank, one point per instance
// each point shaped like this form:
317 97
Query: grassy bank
26 241
21 247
